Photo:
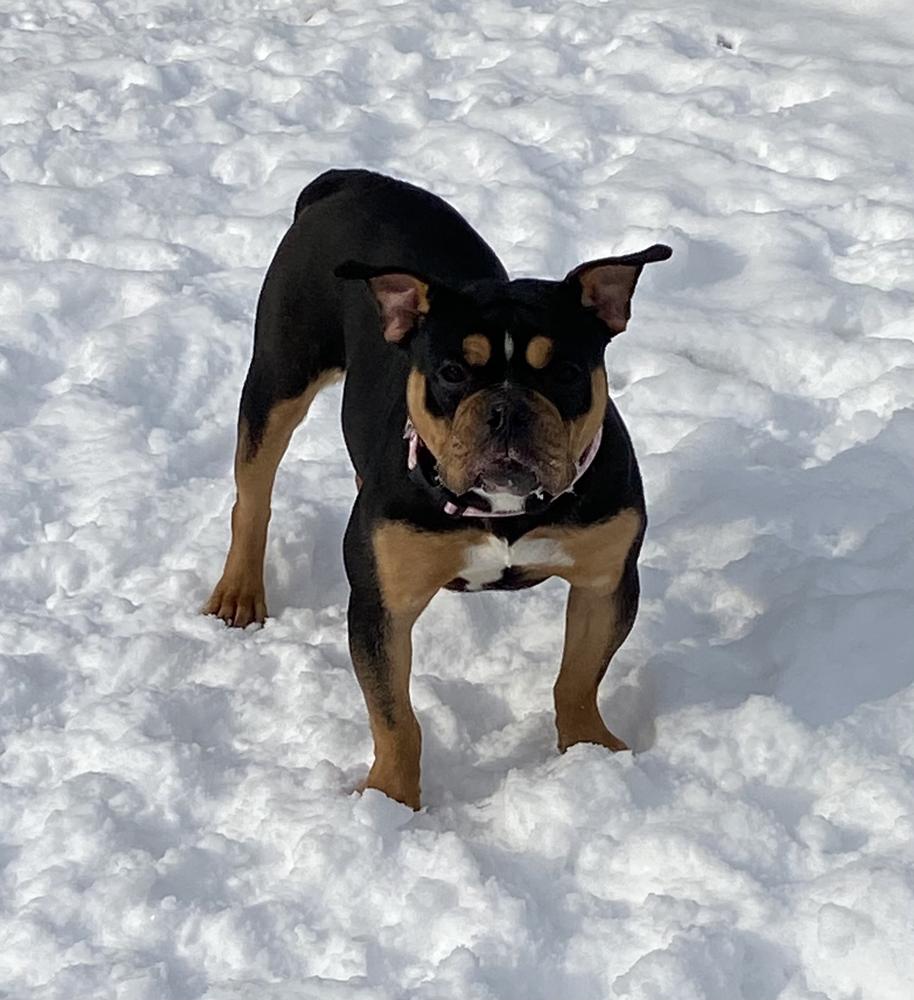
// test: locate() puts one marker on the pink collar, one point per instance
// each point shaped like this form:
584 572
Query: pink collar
457 510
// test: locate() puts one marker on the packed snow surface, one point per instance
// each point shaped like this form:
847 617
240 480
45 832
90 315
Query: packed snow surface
176 808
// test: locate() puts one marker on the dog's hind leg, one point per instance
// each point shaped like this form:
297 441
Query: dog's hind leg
264 432
298 349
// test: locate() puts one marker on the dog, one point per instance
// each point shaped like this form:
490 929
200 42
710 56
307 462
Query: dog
476 415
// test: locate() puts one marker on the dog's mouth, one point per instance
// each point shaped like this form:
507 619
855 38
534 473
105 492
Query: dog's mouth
500 490
513 493
508 474
506 483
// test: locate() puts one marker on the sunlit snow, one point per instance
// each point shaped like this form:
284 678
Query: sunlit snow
177 818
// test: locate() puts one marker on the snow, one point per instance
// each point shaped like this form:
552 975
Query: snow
177 818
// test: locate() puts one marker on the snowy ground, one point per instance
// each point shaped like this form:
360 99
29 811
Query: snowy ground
175 808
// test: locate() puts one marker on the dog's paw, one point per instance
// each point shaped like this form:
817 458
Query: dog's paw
601 736
237 605
397 787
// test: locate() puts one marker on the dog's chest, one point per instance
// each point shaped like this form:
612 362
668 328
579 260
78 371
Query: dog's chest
493 563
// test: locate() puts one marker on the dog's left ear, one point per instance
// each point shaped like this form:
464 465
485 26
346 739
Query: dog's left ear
607 285
402 297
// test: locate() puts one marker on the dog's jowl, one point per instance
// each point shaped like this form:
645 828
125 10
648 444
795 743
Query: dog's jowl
476 414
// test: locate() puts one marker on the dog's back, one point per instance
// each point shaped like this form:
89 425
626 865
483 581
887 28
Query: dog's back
340 215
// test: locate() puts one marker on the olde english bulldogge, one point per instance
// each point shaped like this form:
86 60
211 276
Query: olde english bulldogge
475 411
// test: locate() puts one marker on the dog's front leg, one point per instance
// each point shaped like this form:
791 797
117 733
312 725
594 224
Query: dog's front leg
394 570
381 647
596 625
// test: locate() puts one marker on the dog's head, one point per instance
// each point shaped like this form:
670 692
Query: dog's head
507 387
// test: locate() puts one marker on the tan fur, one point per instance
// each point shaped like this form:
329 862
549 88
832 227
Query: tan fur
396 767
469 434
598 551
593 632
456 443
469 438
539 351
394 728
592 636
584 429
477 350
452 443
434 431
413 565
238 597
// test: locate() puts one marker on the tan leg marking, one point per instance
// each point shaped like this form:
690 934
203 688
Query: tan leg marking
412 566
593 630
238 598
584 429
592 636
394 727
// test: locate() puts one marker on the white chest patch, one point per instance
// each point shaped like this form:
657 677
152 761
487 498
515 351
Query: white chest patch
486 562
509 346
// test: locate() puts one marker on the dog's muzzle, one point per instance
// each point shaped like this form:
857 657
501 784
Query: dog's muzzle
504 489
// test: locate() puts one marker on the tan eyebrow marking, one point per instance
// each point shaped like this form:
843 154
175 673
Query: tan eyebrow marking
476 349
539 351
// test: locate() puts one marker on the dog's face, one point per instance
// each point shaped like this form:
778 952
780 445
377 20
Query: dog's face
507 387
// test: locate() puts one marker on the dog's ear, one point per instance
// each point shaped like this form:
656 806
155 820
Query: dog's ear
402 296
606 286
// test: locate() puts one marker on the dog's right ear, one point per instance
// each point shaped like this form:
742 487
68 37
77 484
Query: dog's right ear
402 297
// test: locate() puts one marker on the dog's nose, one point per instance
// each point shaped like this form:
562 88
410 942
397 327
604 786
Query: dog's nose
498 417
508 416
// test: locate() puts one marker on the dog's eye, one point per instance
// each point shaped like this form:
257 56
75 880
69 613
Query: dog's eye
452 374
566 373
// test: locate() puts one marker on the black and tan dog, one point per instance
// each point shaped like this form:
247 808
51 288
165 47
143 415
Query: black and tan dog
475 412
